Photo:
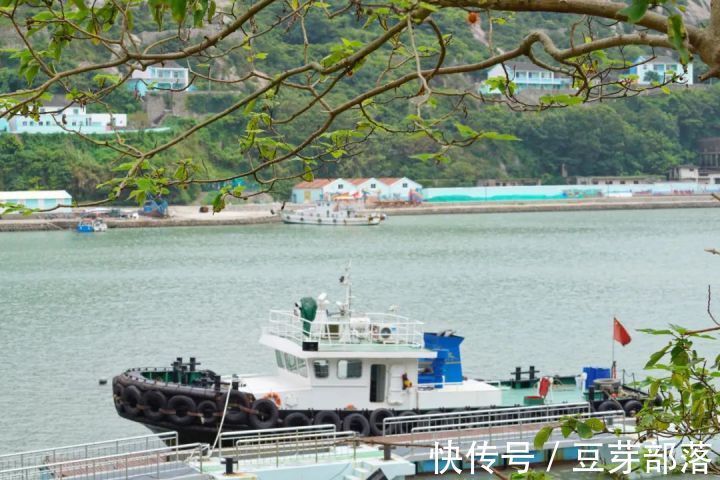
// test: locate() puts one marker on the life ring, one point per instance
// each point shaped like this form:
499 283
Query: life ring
376 420
132 398
182 406
208 412
266 414
327 417
117 397
275 397
237 407
296 419
357 423
155 402
632 407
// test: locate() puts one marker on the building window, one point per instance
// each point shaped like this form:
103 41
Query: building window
24 124
279 359
321 368
405 185
76 111
349 369
372 185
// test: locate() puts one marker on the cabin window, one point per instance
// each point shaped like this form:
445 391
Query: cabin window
302 367
349 369
321 368
279 359
290 363
377 383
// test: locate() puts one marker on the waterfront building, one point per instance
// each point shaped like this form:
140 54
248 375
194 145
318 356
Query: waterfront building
168 76
43 199
526 76
660 69
707 170
62 116
507 182
400 188
616 180
389 188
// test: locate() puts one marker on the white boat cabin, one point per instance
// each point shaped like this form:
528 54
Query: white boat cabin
354 361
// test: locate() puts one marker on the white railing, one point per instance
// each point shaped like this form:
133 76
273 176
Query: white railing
378 329
489 416
155 462
300 444
36 458
509 430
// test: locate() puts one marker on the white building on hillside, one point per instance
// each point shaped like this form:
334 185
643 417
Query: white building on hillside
43 199
661 69
61 116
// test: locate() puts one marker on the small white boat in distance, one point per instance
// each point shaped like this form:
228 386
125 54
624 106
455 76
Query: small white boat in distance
341 211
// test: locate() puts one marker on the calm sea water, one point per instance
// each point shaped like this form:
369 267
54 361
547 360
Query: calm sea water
523 289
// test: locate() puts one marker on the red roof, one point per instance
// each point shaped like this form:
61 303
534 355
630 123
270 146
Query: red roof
358 181
317 183
390 180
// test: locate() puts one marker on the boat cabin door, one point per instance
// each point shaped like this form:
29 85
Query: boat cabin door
395 393
386 386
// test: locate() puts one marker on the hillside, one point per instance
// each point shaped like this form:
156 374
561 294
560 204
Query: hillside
641 135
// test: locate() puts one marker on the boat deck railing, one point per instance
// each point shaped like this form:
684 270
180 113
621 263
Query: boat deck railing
35 458
157 463
310 444
490 416
379 330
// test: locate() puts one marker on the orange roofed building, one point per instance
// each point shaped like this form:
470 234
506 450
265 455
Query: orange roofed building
385 188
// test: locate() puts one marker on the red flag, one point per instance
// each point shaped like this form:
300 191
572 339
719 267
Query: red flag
620 334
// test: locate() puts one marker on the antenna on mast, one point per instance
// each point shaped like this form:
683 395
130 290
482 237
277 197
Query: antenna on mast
345 280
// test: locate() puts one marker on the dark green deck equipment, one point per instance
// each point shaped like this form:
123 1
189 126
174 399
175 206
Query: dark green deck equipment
308 310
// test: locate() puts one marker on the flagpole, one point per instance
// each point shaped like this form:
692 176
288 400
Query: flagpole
612 339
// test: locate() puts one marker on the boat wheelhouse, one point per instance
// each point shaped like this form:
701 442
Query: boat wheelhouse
336 365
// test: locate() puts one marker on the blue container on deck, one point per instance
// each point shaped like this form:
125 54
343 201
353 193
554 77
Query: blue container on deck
447 367
594 373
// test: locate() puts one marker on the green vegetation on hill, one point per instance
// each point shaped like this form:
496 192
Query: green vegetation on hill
639 135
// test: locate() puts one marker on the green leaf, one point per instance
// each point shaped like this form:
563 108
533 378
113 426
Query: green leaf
677 35
595 424
308 175
542 437
636 10
465 131
178 8
583 430
506 137
655 357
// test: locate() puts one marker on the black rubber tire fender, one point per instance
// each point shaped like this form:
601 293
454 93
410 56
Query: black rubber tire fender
132 399
183 406
296 419
608 406
357 423
266 415
235 413
154 402
208 412
117 396
376 420
327 417
632 407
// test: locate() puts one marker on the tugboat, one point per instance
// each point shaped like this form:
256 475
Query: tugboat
343 210
345 368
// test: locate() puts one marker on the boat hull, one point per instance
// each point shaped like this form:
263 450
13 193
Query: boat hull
295 219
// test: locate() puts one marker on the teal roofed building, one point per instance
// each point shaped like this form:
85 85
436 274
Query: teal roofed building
42 199
525 76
